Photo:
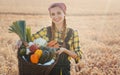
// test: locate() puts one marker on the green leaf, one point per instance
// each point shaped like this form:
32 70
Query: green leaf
28 34
19 27
22 26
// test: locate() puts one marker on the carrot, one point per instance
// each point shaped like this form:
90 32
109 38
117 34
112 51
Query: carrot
52 43
56 45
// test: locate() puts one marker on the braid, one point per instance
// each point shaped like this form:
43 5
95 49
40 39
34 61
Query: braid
53 31
64 29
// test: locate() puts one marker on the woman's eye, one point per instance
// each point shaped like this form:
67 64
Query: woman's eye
59 13
52 14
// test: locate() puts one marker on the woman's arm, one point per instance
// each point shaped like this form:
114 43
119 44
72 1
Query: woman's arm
69 52
75 52
76 45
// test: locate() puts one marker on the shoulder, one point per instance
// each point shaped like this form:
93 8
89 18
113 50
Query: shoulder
46 28
72 30
43 29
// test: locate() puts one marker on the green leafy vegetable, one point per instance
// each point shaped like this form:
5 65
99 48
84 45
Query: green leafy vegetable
19 27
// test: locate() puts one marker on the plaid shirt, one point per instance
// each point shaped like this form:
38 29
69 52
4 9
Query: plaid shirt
73 42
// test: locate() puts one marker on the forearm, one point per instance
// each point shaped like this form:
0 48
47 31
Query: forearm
70 53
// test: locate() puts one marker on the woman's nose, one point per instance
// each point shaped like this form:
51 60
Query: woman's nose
56 16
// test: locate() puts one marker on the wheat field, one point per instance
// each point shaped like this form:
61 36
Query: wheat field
97 22
99 41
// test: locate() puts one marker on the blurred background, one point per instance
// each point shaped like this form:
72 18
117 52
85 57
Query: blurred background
74 7
97 22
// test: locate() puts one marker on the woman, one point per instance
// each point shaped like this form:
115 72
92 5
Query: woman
66 37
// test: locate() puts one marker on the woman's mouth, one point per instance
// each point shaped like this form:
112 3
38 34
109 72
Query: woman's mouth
56 19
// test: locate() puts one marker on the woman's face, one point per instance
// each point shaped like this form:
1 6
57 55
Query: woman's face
57 15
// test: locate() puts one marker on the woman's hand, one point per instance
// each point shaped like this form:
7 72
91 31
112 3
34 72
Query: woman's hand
19 43
61 50
69 52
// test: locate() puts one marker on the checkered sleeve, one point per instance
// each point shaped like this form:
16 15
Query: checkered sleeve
42 33
76 45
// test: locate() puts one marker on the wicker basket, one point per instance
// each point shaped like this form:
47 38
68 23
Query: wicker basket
28 68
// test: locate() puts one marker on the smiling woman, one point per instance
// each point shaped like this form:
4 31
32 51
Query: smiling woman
67 39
